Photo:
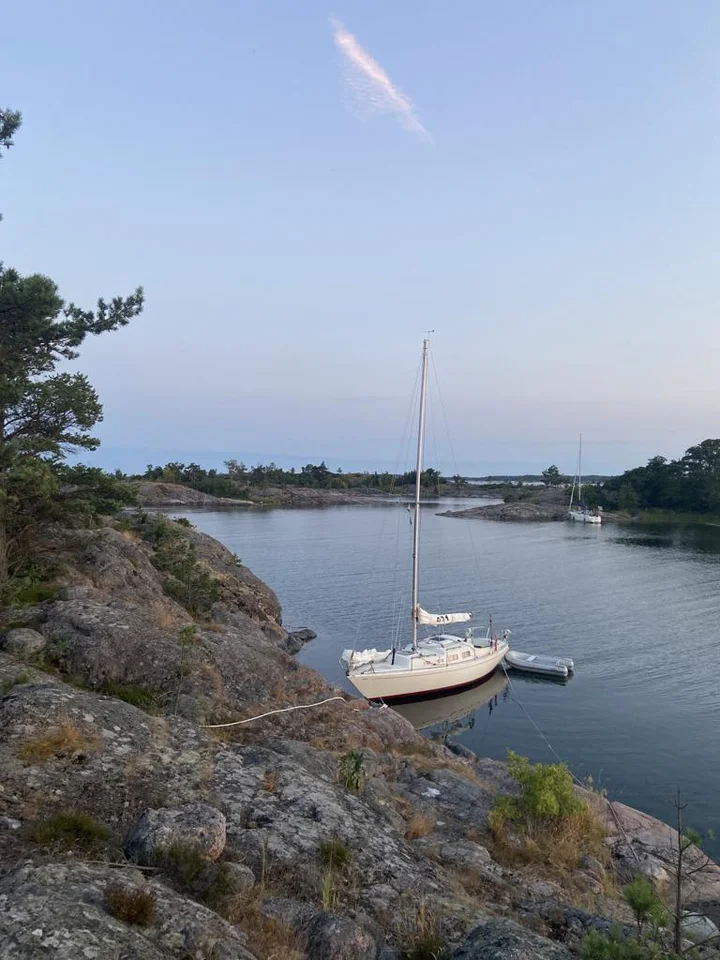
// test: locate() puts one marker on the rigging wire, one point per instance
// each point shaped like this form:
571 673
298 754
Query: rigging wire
473 549
404 446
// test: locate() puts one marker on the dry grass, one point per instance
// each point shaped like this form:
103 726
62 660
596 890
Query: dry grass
554 847
58 743
419 934
268 938
217 687
420 825
133 536
168 620
425 758
270 781
135 905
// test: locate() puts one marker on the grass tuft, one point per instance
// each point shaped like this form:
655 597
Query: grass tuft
268 938
137 906
14 682
334 854
419 936
58 743
270 781
419 825
69 829
138 696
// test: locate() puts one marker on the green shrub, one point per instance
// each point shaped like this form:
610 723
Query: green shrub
598 946
188 581
351 770
553 826
136 905
15 681
546 791
334 854
136 695
645 904
69 829
220 886
184 522
183 863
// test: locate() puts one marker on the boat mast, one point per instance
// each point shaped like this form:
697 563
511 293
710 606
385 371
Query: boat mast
418 477
580 474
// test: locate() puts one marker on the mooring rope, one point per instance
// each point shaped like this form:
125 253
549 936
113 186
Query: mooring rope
270 713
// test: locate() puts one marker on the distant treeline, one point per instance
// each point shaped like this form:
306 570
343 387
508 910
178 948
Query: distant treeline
690 484
238 479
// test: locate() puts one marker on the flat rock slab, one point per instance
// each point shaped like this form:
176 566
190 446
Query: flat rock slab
59 910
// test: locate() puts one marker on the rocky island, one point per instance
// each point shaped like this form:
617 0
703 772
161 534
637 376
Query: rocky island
133 825
522 505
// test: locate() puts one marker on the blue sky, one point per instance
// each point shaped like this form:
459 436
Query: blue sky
560 233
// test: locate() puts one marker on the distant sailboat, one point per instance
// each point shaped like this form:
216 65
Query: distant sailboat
581 513
438 663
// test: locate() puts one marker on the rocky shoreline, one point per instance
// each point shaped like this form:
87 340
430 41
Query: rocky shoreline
529 505
132 826
158 494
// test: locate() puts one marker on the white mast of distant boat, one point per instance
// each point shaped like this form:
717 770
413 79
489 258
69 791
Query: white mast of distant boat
582 513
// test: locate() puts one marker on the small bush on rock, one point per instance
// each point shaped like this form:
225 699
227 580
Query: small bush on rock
183 863
69 829
645 904
555 825
137 905
334 854
14 682
136 695
351 770
420 936
597 946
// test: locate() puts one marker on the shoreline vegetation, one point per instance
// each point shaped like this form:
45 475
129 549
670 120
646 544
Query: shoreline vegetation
686 490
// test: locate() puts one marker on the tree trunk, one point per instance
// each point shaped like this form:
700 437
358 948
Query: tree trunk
677 946
4 564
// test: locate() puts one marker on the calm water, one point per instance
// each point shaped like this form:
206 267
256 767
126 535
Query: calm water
637 607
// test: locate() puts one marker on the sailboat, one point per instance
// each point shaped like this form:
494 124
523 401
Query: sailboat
435 664
580 513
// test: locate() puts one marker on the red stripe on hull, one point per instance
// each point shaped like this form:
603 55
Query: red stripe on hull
433 694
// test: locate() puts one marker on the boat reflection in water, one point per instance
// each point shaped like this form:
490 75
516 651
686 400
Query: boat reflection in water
454 712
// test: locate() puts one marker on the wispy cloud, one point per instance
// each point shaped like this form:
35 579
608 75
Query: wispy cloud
372 88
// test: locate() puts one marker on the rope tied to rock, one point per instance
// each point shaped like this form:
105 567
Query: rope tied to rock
270 713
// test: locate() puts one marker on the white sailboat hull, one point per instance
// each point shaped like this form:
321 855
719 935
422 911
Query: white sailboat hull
581 516
416 676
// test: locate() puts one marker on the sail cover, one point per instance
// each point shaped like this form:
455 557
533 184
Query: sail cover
438 619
